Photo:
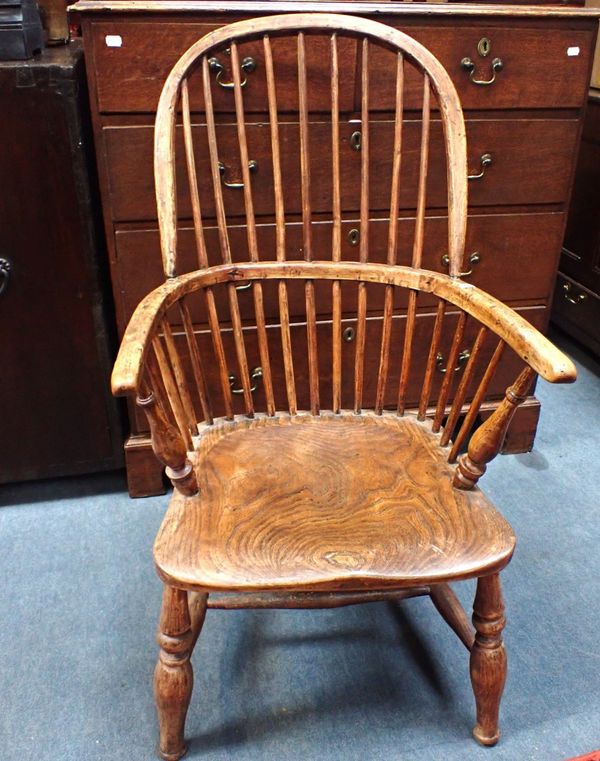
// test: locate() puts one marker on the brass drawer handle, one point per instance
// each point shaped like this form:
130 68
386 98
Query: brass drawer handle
468 65
485 160
248 65
573 299
474 259
255 376
252 167
244 286
463 358
5 268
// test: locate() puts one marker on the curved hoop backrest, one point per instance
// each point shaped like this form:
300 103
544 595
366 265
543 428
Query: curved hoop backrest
176 96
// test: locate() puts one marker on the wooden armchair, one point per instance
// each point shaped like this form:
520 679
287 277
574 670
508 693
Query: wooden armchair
312 497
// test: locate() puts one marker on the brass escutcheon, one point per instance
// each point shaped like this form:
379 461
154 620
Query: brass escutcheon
348 334
353 237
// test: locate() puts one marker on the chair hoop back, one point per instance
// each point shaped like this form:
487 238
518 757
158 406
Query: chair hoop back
176 96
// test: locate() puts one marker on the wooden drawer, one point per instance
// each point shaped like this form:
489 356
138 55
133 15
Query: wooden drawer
130 77
506 373
577 310
537 72
531 162
509 246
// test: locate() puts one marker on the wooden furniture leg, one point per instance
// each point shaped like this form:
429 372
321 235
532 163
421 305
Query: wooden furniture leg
173 677
488 658
449 607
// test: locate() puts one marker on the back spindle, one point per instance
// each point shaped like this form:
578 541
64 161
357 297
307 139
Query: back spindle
190 161
361 327
417 253
284 313
309 286
388 307
252 248
337 228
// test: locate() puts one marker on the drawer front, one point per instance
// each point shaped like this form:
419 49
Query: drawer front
577 310
506 373
517 256
531 163
130 76
538 71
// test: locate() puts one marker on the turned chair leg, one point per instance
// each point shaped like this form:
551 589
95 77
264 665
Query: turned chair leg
488 658
173 677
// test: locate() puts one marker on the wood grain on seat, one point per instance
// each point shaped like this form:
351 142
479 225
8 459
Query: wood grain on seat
330 502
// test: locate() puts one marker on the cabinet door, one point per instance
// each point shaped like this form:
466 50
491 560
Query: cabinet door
56 414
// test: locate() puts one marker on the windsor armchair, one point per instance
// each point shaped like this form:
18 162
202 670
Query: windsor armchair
307 498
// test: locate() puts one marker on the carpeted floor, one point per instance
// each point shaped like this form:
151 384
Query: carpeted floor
79 603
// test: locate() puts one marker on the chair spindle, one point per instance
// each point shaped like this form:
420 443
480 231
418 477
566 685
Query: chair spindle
463 386
252 243
197 363
172 391
449 374
475 405
388 307
336 228
190 161
284 314
431 359
217 341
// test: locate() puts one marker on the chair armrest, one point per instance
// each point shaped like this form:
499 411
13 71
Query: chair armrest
522 337
127 371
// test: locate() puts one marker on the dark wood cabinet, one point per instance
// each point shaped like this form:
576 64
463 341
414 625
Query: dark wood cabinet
56 413
523 131
577 297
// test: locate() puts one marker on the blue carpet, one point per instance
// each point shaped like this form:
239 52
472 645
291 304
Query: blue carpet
79 601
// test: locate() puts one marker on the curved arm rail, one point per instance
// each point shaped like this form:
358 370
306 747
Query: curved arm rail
534 348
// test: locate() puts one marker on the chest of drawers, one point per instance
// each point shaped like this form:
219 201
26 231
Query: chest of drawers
521 73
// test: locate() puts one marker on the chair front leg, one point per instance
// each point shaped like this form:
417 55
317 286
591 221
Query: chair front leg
173 677
488 658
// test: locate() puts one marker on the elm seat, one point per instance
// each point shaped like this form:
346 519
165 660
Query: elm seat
346 501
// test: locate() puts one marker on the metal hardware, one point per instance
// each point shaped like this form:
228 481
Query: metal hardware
348 334
5 268
484 46
244 286
475 258
252 167
567 294
356 140
248 65
460 363
468 65
485 160
353 237
255 376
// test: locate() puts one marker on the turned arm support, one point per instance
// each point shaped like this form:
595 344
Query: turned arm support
487 440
